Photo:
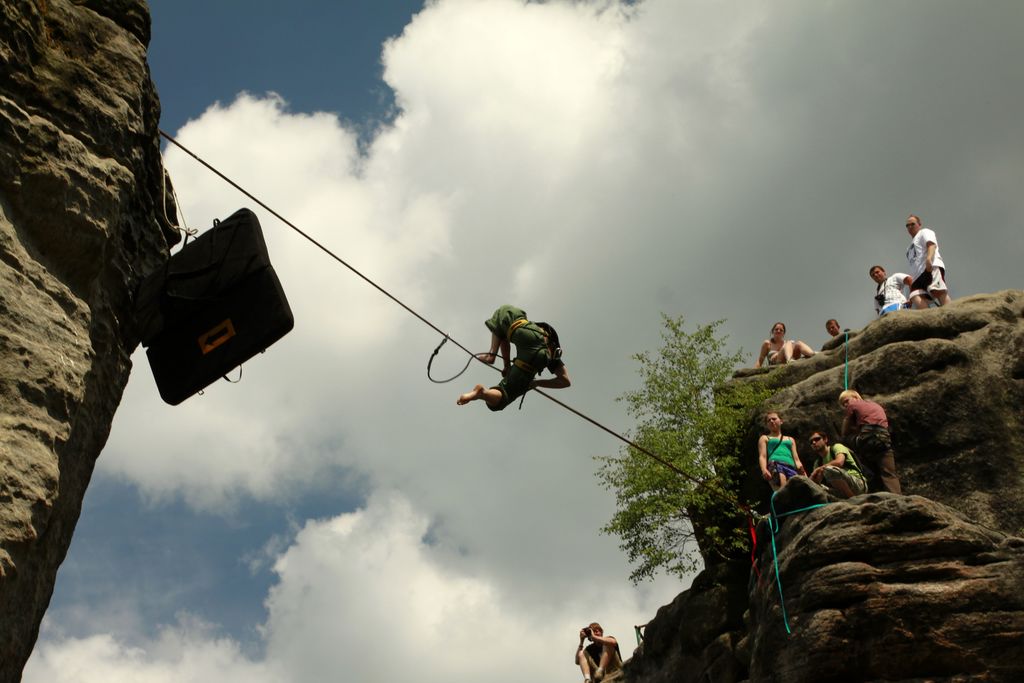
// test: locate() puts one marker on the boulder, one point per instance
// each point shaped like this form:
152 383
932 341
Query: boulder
887 587
82 217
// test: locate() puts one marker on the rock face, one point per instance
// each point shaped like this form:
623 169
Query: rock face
925 586
891 588
80 195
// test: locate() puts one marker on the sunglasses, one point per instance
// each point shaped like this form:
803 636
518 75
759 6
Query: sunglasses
815 439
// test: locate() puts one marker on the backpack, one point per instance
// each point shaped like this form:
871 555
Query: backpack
553 344
851 462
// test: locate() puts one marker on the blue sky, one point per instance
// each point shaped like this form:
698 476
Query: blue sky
597 163
317 55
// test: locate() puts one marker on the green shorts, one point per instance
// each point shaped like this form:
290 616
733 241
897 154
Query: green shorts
516 381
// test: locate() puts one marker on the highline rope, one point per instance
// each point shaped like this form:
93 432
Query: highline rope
718 492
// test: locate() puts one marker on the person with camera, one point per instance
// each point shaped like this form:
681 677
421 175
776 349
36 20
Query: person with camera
888 291
601 657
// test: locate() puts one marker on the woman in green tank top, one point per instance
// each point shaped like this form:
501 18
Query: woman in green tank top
777 454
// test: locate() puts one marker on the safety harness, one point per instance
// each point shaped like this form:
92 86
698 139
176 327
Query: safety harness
546 332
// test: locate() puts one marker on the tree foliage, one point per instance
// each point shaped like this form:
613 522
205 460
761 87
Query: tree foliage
689 416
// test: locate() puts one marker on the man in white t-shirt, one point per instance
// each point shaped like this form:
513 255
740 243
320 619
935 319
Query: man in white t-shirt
889 291
927 279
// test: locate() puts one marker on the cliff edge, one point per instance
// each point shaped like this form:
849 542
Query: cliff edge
80 195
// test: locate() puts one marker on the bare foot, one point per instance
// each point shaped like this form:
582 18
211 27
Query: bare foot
471 395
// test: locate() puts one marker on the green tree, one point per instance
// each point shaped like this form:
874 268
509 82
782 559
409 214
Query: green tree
689 415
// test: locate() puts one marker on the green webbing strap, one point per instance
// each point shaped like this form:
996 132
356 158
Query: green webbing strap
773 525
846 371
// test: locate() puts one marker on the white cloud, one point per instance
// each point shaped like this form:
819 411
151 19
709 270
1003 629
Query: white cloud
589 161
595 164
363 596
184 653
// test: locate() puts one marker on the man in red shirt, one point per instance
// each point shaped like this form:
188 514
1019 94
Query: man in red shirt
867 423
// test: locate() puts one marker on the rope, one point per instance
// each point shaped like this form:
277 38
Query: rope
183 228
846 365
459 373
773 525
724 497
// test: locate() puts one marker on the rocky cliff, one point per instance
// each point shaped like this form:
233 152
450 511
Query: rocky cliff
925 586
80 195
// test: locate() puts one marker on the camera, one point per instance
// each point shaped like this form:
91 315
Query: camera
588 632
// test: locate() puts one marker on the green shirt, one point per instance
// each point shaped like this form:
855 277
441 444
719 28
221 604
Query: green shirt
849 461
503 319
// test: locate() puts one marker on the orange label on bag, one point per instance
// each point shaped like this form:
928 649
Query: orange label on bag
216 336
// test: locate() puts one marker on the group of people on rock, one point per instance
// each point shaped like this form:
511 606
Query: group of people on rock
870 465
924 284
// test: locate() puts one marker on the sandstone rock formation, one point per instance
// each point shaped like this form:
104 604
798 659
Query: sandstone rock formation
80 195
952 383
888 588
925 586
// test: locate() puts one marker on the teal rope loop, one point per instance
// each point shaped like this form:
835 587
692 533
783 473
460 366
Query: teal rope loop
773 525
846 369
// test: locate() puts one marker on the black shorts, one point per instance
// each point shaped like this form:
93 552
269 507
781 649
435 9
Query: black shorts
926 283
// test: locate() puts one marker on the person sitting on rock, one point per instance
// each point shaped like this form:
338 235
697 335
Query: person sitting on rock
867 423
601 658
778 350
835 467
777 454
537 349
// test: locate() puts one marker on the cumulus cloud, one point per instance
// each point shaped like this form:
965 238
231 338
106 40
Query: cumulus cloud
186 652
362 596
586 160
